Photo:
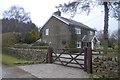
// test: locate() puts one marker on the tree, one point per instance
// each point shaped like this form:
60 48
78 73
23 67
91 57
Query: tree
32 36
16 12
99 35
106 18
114 39
114 34
13 25
86 5
116 10
10 39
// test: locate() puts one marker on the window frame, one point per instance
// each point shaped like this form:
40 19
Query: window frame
77 31
47 32
79 43
91 32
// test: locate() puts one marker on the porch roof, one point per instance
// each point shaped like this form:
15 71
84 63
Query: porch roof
88 38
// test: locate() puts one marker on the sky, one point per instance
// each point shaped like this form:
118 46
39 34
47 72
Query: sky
42 10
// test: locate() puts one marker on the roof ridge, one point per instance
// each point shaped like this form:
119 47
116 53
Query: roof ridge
60 18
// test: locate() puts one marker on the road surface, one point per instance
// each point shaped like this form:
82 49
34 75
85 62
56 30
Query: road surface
54 71
14 72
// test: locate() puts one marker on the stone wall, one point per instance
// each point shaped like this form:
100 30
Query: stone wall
29 54
106 65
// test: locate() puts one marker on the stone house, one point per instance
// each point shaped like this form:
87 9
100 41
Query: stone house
60 32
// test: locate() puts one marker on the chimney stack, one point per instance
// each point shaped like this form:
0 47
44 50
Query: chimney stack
57 13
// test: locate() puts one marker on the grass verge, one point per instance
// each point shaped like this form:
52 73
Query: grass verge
11 60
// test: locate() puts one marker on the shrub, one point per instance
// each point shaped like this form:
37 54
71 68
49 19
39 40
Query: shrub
9 39
31 37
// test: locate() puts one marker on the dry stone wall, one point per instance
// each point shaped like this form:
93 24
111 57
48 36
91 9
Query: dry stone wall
29 54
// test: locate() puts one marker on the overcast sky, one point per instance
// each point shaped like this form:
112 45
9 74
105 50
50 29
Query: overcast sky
41 11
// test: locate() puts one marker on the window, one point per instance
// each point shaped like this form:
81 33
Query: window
77 30
91 32
47 32
78 44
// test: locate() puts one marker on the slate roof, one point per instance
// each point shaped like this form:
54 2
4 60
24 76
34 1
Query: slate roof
73 22
70 22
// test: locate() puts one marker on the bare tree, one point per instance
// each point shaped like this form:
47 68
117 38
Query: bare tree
114 34
116 10
16 12
99 35
106 19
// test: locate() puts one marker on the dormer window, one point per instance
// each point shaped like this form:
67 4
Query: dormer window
47 32
77 30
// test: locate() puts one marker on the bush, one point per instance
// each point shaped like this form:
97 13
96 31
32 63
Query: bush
31 37
9 39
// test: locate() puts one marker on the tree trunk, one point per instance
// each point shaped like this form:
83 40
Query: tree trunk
106 19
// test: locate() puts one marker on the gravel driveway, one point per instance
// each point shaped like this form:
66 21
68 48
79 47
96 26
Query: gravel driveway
14 72
54 71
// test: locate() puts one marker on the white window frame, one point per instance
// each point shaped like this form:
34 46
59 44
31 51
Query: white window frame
78 44
77 30
47 32
91 32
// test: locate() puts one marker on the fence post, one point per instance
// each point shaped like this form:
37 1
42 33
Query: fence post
49 55
89 60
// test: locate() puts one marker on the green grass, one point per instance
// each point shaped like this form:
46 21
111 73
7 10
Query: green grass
11 60
0 57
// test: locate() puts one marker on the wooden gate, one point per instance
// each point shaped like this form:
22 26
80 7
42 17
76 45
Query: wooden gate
68 58
81 59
